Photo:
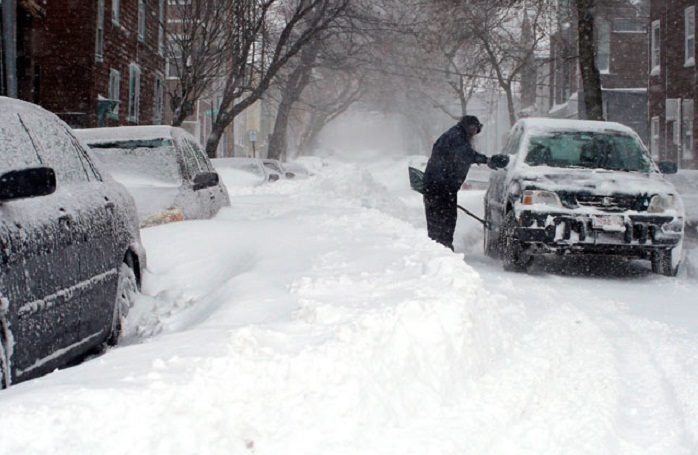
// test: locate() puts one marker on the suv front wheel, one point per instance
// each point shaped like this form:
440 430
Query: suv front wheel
513 256
661 263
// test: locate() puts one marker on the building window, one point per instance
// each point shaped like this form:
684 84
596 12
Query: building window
141 20
603 46
115 8
114 91
654 133
687 117
99 46
158 100
175 62
656 49
161 27
134 92
690 36
625 25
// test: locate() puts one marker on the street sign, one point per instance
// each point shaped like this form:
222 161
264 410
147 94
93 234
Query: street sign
253 135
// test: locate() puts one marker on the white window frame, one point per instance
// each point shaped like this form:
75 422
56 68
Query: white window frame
115 90
141 20
161 27
654 137
134 92
99 38
115 11
175 53
655 49
690 36
633 26
158 100
603 46
687 119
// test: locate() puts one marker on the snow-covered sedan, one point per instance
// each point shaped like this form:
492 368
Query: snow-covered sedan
165 169
581 187
70 249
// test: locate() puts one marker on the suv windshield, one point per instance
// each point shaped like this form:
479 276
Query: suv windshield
594 150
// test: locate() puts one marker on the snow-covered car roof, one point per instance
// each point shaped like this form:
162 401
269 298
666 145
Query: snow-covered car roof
535 124
125 133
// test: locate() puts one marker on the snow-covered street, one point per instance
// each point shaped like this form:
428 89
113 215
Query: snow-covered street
316 317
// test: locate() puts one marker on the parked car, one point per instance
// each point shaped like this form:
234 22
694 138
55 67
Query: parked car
247 170
581 187
70 256
275 167
298 170
165 169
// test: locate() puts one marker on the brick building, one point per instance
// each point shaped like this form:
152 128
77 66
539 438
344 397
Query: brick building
94 62
622 55
672 81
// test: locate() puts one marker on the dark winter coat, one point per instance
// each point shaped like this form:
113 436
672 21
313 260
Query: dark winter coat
450 161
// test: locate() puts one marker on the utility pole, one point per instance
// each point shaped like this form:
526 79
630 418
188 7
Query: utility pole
9 40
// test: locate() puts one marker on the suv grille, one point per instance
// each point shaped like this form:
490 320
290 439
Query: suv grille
609 203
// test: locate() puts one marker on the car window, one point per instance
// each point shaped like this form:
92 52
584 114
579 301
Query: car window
512 147
190 162
140 161
274 166
611 151
200 156
58 149
16 147
251 167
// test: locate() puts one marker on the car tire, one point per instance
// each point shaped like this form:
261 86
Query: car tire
126 291
513 257
490 239
661 263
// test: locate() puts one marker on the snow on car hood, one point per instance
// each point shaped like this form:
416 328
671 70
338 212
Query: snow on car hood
595 181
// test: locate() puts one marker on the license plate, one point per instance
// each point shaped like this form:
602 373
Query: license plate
609 223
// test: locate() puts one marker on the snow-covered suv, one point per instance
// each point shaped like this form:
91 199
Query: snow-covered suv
581 187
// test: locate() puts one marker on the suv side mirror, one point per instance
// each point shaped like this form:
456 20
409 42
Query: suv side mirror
205 180
498 161
33 182
668 167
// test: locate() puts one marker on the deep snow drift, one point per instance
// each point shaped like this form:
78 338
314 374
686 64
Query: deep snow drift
315 317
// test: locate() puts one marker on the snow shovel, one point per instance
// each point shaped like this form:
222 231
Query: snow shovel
417 184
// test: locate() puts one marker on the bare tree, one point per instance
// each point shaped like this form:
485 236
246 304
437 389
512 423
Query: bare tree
336 54
591 78
198 46
267 34
500 29
327 98
291 88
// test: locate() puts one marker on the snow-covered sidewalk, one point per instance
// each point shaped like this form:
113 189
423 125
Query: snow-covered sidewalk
315 317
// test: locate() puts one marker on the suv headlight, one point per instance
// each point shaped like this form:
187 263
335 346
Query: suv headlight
533 197
660 203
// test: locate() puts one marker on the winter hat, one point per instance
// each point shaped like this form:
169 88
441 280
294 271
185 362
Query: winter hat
468 120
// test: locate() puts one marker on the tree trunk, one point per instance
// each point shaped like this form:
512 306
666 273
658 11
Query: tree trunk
291 92
591 79
278 140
